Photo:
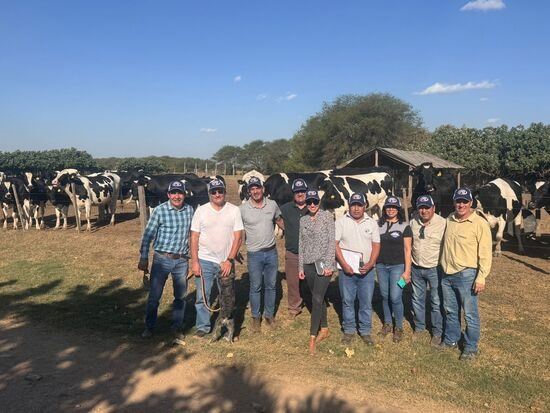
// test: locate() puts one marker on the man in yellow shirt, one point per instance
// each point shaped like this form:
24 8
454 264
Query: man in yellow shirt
466 262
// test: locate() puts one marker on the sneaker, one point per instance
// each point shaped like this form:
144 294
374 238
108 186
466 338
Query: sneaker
367 339
179 338
386 329
147 333
200 334
397 335
446 346
256 324
435 341
468 355
271 323
347 338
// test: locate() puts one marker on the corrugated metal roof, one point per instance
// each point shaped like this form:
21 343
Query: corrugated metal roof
413 158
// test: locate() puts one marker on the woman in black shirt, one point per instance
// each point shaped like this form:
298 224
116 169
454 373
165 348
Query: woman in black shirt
394 263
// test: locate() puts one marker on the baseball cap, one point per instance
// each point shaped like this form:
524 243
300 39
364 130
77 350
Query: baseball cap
357 198
463 193
254 181
392 201
299 185
312 194
424 200
216 184
176 186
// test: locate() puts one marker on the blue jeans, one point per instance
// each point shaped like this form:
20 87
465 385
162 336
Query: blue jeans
210 273
457 294
262 266
420 277
162 266
388 275
359 287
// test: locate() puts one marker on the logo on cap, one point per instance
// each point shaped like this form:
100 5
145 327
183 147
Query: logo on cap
176 186
424 199
254 181
462 192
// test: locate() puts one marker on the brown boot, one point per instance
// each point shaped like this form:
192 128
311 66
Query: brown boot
397 335
255 325
386 329
323 334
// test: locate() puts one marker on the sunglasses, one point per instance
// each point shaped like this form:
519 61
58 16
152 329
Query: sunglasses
462 201
422 235
217 191
312 202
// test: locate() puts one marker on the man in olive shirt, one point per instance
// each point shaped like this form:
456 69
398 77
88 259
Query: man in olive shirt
428 229
466 262
291 212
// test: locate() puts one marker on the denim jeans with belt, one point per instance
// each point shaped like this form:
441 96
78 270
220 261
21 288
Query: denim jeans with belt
360 287
388 276
458 293
210 273
262 267
421 277
162 266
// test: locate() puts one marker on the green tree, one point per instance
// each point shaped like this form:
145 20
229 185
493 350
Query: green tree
525 151
149 166
229 154
353 124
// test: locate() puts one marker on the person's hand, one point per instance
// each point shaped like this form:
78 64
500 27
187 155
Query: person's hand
196 268
406 276
366 268
328 272
478 288
143 265
301 275
348 270
225 268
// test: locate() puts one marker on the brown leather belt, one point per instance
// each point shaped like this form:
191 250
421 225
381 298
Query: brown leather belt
172 255
267 248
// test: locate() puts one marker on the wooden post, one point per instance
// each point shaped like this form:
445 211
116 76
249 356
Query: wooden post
410 188
376 157
458 179
142 208
18 204
406 205
75 206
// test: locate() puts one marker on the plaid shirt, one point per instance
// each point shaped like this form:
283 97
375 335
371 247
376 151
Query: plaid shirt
169 227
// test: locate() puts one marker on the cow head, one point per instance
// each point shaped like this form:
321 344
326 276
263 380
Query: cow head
331 198
426 173
64 177
541 196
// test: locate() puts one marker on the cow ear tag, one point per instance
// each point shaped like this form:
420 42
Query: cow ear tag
439 173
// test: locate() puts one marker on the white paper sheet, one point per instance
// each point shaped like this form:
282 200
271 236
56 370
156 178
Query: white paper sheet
352 258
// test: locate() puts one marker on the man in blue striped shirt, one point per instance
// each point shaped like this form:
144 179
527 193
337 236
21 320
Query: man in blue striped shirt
169 227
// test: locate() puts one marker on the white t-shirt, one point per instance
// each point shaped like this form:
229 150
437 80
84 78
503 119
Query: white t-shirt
216 230
357 236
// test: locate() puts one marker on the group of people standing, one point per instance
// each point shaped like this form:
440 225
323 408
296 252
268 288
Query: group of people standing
452 256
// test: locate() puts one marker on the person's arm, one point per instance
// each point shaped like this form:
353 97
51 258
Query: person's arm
407 243
194 251
330 253
301 246
485 256
369 265
226 265
149 234
346 268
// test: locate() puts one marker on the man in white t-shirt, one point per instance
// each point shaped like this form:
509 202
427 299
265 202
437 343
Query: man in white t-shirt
216 236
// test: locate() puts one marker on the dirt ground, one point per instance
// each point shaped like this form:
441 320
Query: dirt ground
66 366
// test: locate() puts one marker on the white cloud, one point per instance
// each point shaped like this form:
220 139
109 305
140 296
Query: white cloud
493 120
237 78
288 96
437 87
209 130
483 99
261 96
484 5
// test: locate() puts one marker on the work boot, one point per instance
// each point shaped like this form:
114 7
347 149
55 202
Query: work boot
435 341
367 339
256 324
147 333
386 329
397 335
271 323
468 355
347 339
179 338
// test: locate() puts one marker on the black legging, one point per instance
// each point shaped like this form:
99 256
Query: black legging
318 285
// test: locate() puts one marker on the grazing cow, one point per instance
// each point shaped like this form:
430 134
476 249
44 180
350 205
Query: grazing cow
9 186
375 183
38 196
440 184
243 183
540 192
100 189
499 201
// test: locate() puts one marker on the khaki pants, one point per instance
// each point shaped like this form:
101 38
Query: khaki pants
293 283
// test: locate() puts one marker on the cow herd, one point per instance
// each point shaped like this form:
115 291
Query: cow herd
499 201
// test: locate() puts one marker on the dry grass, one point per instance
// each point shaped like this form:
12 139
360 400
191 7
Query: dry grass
88 282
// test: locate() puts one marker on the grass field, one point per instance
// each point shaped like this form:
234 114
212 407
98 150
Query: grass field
88 284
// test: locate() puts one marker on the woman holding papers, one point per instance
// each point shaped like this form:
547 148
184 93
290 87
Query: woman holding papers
357 248
316 262
393 266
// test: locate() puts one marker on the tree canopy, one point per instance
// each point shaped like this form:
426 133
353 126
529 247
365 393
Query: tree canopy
51 160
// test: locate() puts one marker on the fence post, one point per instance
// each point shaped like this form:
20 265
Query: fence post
18 204
406 205
142 207
75 206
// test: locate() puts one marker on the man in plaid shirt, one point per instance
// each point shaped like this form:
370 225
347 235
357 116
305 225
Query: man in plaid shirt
169 227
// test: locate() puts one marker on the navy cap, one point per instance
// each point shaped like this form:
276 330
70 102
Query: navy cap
254 181
424 200
216 184
463 193
392 201
312 194
299 185
357 198
176 186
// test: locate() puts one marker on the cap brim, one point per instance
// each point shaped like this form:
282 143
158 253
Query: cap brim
462 198
357 203
418 205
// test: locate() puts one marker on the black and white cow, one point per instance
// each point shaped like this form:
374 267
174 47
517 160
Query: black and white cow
440 184
10 186
100 189
243 183
278 186
38 196
500 202
540 195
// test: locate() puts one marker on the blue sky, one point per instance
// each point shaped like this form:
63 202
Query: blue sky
135 78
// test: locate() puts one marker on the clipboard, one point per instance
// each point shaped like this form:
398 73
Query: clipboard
353 258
